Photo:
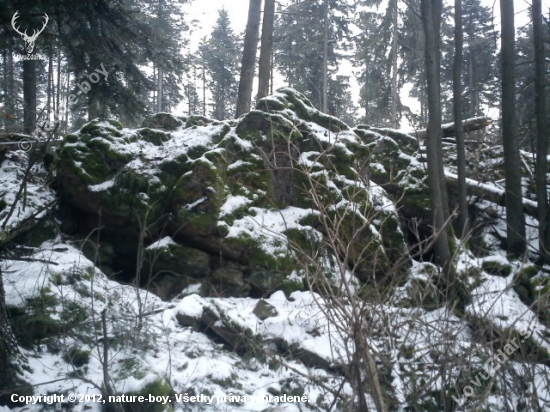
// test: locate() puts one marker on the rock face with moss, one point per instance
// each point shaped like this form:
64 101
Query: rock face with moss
237 199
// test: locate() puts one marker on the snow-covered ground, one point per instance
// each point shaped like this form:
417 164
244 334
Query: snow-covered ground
224 354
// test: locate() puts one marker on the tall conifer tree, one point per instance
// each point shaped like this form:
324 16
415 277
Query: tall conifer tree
221 58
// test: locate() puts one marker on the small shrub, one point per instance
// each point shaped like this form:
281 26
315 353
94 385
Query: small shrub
77 357
159 387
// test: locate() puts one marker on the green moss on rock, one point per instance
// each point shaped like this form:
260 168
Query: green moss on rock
288 98
196 120
158 388
496 267
155 137
77 357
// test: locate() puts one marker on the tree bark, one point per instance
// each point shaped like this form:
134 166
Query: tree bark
160 91
431 17
249 57
394 92
325 58
49 89
515 218
266 49
160 79
541 164
462 220
58 86
29 96
203 89
67 93
9 92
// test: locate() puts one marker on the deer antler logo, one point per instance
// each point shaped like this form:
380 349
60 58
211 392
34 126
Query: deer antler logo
29 40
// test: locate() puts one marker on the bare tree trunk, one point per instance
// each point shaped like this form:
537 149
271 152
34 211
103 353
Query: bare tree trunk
325 59
9 92
67 90
203 90
29 96
431 17
515 218
50 88
5 90
58 91
423 116
394 91
459 129
266 49
249 57
160 92
541 164
272 71
160 79
188 88
475 92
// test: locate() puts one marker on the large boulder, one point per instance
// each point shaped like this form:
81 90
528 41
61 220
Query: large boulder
249 194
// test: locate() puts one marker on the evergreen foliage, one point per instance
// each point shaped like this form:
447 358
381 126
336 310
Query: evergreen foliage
220 53
124 36
374 55
299 44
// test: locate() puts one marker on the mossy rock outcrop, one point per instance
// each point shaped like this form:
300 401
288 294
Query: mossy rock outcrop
169 268
159 390
238 191
163 121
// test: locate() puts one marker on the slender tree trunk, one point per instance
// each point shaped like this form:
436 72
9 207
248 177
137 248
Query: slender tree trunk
67 90
431 17
160 79
515 218
10 100
188 88
160 92
9 92
203 90
459 128
272 71
5 90
266 49
249 57
394 91
437 12
58 86
471 83
325 59
29 96
49 89
541 165
423 117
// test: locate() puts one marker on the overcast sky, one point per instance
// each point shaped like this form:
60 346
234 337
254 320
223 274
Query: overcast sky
206 13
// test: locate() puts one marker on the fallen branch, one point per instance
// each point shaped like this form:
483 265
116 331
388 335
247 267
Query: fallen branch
21 259
448 129
491 193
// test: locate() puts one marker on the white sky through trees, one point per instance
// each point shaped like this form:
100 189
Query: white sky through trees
205 13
